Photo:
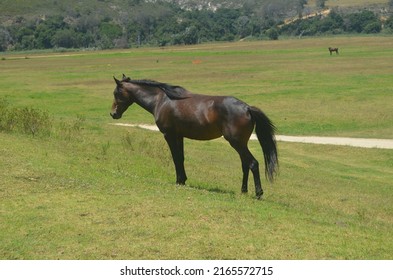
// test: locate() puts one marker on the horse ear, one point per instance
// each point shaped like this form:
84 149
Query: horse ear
117 81
126 79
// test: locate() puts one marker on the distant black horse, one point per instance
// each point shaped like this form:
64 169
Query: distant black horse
331 50
179 113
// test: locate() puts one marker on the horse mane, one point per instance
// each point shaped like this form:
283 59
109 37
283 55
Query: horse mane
173 92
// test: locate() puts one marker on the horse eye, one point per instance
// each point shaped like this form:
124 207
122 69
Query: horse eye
117 94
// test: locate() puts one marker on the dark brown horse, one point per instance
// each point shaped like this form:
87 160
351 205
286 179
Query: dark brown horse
179 113
331 50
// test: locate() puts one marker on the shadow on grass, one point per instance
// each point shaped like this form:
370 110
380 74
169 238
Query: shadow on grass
210 189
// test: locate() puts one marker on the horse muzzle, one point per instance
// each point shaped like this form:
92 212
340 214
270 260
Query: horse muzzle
115 116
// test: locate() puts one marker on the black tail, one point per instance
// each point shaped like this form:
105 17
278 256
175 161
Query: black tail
265 130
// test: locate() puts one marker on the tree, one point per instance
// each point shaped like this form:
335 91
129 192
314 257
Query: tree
43 37
358 22
65 38
45 30
333 23
111 30
243 27
372 27
109 33
5 39
190 36
23 36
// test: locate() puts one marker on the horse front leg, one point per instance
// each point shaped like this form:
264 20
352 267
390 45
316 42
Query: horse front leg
176 145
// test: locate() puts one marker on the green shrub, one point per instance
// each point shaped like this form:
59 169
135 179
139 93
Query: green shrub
24 120
33 121
272 33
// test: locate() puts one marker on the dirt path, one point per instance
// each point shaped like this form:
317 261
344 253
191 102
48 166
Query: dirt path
342 141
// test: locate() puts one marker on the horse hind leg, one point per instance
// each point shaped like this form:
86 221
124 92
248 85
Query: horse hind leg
248 163
254 166
246 171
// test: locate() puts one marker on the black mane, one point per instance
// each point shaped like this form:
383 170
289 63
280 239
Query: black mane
173 92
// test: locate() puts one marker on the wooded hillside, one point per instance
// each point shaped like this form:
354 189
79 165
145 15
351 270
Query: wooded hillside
103 24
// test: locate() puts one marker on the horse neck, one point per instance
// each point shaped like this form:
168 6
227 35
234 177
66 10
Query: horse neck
146 97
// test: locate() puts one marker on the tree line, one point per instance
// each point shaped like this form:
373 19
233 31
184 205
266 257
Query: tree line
163 23
335 23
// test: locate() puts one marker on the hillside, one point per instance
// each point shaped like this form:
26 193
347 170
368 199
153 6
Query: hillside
34 8
103 24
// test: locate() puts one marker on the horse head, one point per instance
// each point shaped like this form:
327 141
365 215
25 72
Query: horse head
121 100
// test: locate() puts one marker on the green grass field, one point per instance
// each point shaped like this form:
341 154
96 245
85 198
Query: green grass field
91 190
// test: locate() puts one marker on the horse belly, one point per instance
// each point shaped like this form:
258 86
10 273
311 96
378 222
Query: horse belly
206 132
203 125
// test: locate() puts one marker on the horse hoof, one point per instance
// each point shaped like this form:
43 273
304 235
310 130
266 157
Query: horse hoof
259 196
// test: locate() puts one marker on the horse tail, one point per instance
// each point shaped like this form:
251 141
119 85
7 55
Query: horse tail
265 130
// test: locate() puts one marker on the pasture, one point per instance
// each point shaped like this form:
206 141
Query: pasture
91 190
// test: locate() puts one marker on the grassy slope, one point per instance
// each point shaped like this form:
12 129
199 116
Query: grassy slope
123 205
107 192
